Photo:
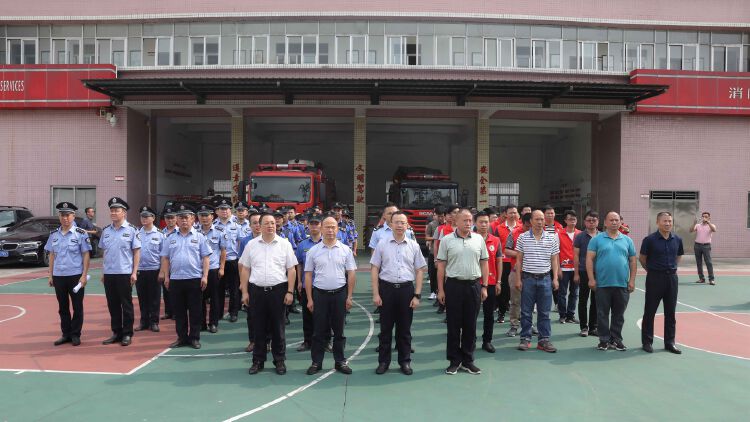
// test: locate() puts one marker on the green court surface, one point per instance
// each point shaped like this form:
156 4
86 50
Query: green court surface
576 383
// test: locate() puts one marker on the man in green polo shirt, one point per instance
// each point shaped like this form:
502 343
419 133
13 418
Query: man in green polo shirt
611 267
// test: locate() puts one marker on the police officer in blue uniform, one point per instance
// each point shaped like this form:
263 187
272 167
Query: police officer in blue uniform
242 211
185 260
68 247
352 228
211 295
314 222
121 244
148 285
231 279
170 218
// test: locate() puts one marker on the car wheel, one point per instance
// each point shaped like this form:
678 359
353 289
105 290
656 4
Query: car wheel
44 260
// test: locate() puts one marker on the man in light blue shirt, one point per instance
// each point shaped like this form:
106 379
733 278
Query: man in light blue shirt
185 260
611 268
148 285
212 295
69 248
231 279
329 283
301 252
121 244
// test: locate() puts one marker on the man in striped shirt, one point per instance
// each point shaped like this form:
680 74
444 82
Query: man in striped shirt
538 253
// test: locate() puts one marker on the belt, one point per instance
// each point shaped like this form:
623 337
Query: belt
330 292
663 271
702 244
535 275
268 288
464 282
395 285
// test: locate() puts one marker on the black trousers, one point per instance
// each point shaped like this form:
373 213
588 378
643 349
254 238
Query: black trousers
432 272
267 309
119 294
503 300
70 326
587 319
329 312
612 302
167 301
186 304
488 306
149 296
231 283
462 307
660 286
307 319
212 297
395 312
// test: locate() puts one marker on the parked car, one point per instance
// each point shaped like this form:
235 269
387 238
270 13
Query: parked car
12 215
25 242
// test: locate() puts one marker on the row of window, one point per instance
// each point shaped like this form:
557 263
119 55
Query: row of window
411 50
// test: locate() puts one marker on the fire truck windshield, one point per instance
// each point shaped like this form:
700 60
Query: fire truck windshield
427 198
280 189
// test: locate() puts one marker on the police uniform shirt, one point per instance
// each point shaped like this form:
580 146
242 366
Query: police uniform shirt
232 232
462 255
118 246
165 231
382 233
68 249
268 261
288 232
342 236
217 242
346 229
302 249
398 261
329 265
244 230
186 253
244 241
151 243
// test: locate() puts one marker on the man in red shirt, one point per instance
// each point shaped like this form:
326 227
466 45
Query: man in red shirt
494 264
515 294
553 227
451 211
503 231
567 305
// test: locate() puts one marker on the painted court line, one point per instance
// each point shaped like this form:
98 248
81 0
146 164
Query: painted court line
23 312
704 311
640 322
315 381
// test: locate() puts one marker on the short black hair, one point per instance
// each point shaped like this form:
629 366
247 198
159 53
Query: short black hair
482 213
571 213
389 204
526 218
399 212
706 212
662 214
440 210
85 210
547 207
509 206
450 208
591 213
267 214
489 210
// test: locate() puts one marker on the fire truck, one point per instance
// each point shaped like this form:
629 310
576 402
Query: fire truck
298 183
417 190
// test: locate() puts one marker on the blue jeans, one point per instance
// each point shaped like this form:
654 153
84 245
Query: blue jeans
536 291
566 306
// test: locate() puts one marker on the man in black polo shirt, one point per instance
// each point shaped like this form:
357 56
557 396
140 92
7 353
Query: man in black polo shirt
661 252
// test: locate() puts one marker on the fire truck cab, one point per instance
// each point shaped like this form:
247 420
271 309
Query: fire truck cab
298 183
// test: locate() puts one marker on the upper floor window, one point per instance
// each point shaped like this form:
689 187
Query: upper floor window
546 53
204 51
683 57
21 51
726 58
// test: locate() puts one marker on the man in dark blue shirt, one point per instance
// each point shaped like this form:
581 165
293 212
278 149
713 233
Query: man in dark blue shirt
661 252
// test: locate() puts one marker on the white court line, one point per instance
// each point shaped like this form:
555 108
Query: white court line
315 381
23 312
213 355
640 321
144 364
705 312
21 371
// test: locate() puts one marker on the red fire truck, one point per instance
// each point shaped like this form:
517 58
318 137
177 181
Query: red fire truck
299 183
417 190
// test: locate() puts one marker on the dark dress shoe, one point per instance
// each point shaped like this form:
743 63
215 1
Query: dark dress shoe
195 344
280 367
671 348
126 340
212 329
381 369
488 347
114 339
141 327
176 344
233 318
75 340
294 310
250 347
257 367
305 346
155 328
313 369
61 340
343 368
648 348
406 369
376 311
167 316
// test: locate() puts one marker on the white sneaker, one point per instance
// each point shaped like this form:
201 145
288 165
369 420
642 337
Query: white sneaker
433 296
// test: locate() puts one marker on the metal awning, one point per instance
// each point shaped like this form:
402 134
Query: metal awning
237 88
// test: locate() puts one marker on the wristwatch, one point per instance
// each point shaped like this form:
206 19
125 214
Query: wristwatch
418 296
290 292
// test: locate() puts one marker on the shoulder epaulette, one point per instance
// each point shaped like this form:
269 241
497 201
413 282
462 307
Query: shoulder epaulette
107 226
80 230
221 229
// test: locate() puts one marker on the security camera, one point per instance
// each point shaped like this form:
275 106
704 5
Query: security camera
113 120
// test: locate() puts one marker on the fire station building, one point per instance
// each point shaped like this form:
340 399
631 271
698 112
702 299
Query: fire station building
635 106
